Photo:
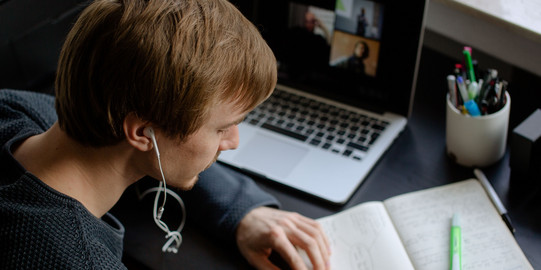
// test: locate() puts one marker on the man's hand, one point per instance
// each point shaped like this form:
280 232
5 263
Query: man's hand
266 229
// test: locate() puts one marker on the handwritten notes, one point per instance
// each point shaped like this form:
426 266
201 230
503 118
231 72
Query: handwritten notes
364 237
423 220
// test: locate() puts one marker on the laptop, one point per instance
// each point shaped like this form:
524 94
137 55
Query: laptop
346 78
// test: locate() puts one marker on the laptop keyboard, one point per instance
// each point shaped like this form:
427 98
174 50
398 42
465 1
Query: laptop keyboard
318 124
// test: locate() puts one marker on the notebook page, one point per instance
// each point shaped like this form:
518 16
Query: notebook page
363 237
423 221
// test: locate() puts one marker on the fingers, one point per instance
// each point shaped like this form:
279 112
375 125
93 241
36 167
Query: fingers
321 247
265 229
315 230
308 235
288 252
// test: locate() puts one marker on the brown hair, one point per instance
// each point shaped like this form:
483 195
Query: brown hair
167 61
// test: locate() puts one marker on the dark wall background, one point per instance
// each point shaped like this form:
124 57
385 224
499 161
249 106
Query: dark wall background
31 35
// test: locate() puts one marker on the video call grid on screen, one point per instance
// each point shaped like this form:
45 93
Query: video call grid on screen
352 30
321 62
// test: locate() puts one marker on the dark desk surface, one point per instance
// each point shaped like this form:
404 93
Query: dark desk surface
416 161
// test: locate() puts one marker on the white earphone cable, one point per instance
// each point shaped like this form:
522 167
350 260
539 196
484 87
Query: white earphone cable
171 235
158 212
162 184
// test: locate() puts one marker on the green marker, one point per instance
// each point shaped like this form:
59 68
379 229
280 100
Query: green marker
469 65
456 244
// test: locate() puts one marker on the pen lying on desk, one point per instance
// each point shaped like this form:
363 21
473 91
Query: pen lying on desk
494 198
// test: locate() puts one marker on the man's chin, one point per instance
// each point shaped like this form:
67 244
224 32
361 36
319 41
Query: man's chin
188 185
213 161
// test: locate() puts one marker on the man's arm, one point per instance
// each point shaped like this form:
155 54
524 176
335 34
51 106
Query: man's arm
221 198
233 207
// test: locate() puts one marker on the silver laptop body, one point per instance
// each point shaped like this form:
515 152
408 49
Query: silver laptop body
318 144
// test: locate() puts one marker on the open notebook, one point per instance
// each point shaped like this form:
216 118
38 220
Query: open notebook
412 231
345 89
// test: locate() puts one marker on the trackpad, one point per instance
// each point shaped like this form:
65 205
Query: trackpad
270 155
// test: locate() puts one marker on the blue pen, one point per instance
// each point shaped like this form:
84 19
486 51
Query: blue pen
456 244
472 108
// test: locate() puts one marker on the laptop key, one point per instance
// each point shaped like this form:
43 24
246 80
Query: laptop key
378 127
315 142
284 132
358 146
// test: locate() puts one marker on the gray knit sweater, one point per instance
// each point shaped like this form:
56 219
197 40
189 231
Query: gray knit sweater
41 228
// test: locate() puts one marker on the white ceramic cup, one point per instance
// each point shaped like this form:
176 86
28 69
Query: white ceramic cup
477 141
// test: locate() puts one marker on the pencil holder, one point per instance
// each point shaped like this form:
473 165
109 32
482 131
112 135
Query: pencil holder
476 141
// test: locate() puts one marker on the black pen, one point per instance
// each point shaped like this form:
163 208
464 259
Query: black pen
494 197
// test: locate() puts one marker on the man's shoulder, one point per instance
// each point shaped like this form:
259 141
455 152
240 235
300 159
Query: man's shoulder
39 103
35 226
15 95
45 228
24 111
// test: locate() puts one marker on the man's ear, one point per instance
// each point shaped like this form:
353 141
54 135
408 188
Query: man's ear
133 129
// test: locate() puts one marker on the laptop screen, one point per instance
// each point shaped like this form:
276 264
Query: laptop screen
359 52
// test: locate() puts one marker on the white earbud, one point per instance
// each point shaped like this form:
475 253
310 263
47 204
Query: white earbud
149 132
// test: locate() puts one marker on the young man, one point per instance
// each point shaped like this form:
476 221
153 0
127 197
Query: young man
134 75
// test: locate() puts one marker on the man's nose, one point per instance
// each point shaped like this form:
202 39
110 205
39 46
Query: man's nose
231 140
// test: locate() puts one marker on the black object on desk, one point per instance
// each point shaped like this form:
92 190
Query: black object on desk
526 147
525 158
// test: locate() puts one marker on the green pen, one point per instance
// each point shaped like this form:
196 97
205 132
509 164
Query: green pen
456 244
469 65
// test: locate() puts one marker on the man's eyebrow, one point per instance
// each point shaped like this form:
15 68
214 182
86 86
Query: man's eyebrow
233 123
